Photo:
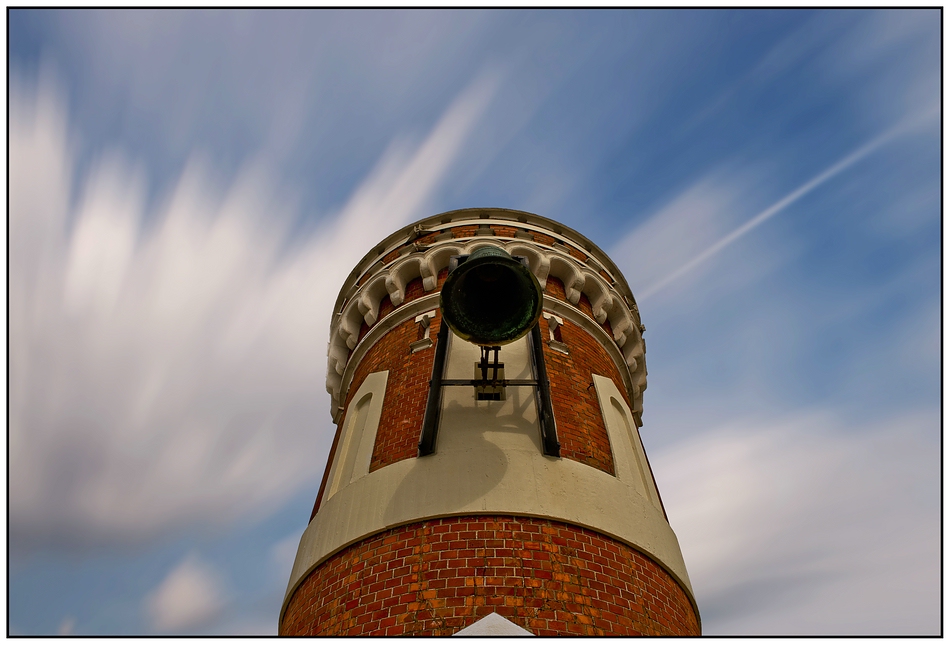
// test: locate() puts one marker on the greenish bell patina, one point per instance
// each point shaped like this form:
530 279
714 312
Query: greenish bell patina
490 298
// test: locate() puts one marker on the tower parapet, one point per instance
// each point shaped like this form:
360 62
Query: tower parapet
566 540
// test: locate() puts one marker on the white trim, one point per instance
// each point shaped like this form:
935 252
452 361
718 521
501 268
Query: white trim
607 304
487 475
493 625
352 459
377 331
630 462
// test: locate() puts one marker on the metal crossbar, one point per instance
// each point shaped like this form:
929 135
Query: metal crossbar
430 422
504 382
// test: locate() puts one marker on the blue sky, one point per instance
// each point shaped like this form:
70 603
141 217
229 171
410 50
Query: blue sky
188 191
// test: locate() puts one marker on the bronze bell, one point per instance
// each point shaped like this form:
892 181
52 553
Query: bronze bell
491 298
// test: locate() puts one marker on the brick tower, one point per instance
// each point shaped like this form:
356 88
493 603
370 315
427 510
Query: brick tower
523 502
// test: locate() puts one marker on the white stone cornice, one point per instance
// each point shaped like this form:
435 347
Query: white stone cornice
393 320
477 216
607 302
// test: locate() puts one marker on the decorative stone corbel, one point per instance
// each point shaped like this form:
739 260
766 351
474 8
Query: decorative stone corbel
608 305
554 336
425 338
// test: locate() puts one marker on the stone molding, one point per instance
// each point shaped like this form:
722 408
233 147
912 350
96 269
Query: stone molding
362 303
523 221
393 320
493 480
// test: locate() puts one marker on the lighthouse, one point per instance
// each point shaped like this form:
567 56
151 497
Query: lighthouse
486 373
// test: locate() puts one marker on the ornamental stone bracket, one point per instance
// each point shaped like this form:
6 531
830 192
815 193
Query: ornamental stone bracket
607 304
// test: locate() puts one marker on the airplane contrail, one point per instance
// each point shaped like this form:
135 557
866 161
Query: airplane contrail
789 199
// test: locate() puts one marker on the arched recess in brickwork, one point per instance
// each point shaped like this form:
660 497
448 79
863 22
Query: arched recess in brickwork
578 279
352 458
630 460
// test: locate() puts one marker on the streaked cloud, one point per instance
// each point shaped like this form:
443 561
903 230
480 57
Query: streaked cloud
167 367
180 228
678 231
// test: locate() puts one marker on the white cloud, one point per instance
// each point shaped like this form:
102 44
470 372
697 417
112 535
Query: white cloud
890 59
283 554
806 525
167 367
188 598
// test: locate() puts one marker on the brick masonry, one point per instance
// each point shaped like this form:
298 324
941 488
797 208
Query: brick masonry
577 413
435 577
441 575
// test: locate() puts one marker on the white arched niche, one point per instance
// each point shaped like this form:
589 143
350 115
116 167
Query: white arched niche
355 449
630 460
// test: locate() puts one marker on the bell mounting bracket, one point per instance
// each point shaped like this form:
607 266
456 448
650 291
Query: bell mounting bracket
488 364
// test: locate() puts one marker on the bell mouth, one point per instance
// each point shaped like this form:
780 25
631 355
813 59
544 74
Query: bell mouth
491 298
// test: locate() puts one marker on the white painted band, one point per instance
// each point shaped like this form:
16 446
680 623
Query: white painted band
484 479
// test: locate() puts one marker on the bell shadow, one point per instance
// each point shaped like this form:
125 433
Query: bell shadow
467 465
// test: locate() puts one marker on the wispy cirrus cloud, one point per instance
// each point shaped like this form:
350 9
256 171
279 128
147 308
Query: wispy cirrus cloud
683 230
167 367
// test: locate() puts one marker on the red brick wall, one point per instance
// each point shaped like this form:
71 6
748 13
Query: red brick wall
407 388
541 238
428 238
433 578
464 231
555 288
504 231
577 255
407 391
577 415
